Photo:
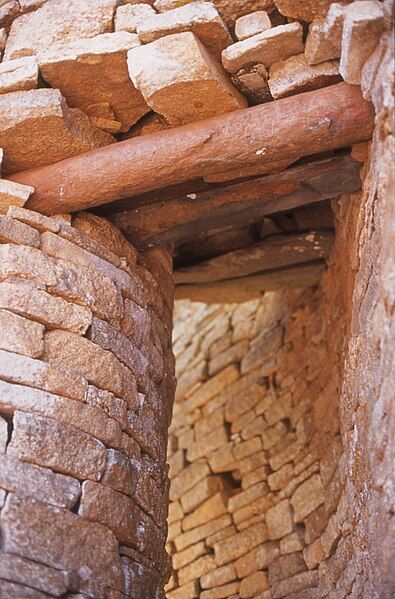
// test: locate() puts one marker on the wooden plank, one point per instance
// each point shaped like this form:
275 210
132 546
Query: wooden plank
272 253
287 129
253 286
186 218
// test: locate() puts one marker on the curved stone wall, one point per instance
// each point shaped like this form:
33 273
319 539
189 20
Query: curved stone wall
86 391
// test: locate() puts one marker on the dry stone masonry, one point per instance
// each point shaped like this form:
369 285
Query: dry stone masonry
86 387
278 483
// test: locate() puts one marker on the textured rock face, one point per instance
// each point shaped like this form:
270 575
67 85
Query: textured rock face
54 132
180 80
93 72
58 21
83 510
295 524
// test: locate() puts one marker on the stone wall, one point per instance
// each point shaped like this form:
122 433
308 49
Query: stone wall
280 447
86 389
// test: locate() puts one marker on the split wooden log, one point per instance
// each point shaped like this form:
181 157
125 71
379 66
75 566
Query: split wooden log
301 125
247 288
183 219
273 253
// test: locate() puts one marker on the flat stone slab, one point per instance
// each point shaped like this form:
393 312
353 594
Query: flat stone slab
266 48
58 21
181 80
294 76
93 72
201 18
18 75
38 128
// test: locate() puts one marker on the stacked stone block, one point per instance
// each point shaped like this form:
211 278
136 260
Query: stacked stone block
86 387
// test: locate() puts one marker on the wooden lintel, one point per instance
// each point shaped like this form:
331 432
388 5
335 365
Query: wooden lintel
275 252
246 288
186 218
287 129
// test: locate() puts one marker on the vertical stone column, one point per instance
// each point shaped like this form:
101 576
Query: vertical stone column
86 391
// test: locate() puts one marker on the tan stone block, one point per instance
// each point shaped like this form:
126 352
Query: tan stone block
188 591
279 479
34 373
210 442
306 11
294 76
53 131
177 91
32 574
307 497
58 21
59 446
198 568
233 354
292 543
223 459
188 478
20 335
3 38
363 25
175 512
246 448
245 498
299 582
202 491
243 420
252 24
110 508
18 75
207 424
99 366
94 70
313 554
267 48
201 18
252 82
218 577
258 558
202 532
226 591
183 558
252 511
212 387
61 540
12 231
34 219
9 10
224 533
43 307
233 547
118 473
324 38
176 463
174 530
286 566
279 520
129 16
12 193
38 483
210 509
242 395
253 584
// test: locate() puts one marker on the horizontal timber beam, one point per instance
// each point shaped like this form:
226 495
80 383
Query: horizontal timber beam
274 252
247 288
301 125
183 219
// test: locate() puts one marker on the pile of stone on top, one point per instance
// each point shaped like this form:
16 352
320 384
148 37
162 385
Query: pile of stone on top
79 74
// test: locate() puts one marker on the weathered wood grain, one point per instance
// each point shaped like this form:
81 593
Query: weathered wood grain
247 288
287 129
272 253
186 218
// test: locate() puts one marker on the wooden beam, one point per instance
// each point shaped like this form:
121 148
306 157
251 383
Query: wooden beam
309 123
186 218
273 253
251 287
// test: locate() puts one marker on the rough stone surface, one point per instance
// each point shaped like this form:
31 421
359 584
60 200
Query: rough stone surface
18 75
129 16
13 194
20 335
252 24
306 11
92 72
266 48
294 76
57 21
53 131
201 18
179 91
